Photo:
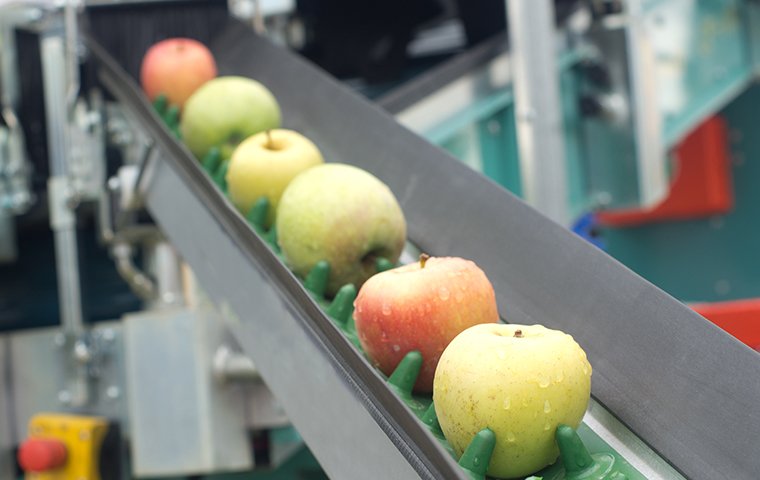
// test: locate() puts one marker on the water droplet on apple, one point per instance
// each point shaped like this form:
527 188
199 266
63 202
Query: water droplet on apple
459 296
547 407
510 437
507 403
396 348
547 426
386 309
543 381
559 376
585 369
443 293
384 337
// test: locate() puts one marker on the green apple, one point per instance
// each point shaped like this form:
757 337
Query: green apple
265 163
224 112
341 214
520 381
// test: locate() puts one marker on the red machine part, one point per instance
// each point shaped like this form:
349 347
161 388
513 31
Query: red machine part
740 318
701 185
42 454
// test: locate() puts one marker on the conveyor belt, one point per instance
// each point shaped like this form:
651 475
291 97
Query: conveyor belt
686 387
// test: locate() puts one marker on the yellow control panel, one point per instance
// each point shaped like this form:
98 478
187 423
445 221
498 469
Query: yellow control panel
63 447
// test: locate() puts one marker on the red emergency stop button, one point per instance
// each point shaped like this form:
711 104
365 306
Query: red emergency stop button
41 454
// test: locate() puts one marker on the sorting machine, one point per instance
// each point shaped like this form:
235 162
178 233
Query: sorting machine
225 349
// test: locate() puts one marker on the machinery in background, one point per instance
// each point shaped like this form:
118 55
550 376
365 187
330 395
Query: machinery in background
653 144
157 369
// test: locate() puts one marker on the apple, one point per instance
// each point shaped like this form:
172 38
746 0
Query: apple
224 112
421 306
521 381
176 67
264 164
343 215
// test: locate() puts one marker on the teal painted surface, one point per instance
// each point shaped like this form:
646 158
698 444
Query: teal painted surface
497 135
612 172
753 33
492 147
703 58
478 110
577 168
711 259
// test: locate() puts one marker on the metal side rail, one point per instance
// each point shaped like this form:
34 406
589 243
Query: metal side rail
684 386
351 420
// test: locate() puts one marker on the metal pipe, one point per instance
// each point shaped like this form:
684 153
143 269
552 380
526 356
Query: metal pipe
538 110
168 274
67 272
72 55
62 218
140 283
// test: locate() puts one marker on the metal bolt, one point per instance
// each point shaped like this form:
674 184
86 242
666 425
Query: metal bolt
526 115
113 392
603 198
64 396
82 352
722 287
108 335
114 184
169 298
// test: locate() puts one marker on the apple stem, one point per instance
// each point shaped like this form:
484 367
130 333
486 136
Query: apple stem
518 334
269 139
424 257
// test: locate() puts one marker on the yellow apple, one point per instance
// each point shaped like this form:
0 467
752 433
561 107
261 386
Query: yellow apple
521 381
343 215
265 163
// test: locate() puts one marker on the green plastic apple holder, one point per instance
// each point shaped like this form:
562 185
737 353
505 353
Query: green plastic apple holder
575 460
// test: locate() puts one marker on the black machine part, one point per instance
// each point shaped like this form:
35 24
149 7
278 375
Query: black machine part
683 385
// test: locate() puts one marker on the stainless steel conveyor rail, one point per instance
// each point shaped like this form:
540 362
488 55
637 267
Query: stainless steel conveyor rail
680 383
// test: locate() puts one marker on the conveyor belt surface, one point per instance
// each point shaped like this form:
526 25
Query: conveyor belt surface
686 387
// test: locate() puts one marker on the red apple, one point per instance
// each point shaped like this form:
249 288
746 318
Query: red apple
176 67
421 306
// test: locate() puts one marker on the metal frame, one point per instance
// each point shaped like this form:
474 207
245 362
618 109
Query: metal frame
647 120
328 389
538 109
